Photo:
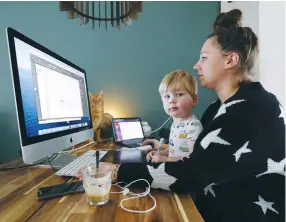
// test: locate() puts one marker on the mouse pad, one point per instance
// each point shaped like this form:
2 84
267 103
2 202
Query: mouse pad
125 156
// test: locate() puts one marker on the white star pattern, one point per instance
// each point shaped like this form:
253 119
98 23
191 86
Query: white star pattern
213 137
210 189
222 109
242 150
265 205
274 167
160 178
281 113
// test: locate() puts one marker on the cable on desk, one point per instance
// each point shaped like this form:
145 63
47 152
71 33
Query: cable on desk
72 150
51 164
49 159
81 147
26 166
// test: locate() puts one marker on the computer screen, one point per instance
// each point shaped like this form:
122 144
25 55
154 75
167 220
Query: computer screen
51 98
127 128
53 93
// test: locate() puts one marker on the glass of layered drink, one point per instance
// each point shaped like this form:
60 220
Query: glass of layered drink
97 184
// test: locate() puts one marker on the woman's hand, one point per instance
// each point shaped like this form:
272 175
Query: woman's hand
155 157
155 143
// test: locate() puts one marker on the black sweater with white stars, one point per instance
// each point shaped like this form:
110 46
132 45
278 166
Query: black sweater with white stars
237 170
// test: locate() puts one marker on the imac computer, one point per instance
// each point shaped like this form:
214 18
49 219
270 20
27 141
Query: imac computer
51 98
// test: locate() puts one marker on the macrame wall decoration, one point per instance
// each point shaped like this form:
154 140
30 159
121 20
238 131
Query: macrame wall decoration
101 13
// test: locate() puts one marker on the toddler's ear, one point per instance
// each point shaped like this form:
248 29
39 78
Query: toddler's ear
195 100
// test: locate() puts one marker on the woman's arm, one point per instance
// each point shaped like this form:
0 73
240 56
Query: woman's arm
235 146
161 158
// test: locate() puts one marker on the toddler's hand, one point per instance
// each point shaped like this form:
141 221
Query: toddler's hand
150 155
159 158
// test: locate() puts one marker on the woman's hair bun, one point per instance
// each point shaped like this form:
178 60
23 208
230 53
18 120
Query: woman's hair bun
229 19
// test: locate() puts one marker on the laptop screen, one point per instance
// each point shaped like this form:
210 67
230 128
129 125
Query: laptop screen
127 128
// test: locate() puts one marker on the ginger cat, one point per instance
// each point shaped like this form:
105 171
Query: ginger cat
100 120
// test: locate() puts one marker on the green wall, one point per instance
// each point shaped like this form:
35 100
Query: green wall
127 64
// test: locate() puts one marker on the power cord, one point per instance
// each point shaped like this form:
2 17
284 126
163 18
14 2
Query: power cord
161 126
51 164
71 150
125 191
48 159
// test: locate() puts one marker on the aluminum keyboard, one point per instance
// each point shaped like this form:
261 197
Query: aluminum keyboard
85 159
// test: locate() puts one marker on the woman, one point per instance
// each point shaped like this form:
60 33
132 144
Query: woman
236 170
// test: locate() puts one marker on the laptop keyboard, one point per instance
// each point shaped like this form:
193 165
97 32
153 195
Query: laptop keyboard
133 141
85 159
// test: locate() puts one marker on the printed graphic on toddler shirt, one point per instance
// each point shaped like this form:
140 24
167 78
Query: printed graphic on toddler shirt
184 149
182 136
196 123
191 134
181 125
172 150
171 142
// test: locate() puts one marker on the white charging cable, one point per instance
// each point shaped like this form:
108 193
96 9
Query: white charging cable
126 191
161 126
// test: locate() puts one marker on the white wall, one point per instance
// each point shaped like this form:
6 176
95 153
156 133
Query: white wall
249 12
272 46
267 19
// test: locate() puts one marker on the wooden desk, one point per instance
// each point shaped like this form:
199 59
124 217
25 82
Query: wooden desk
18 200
